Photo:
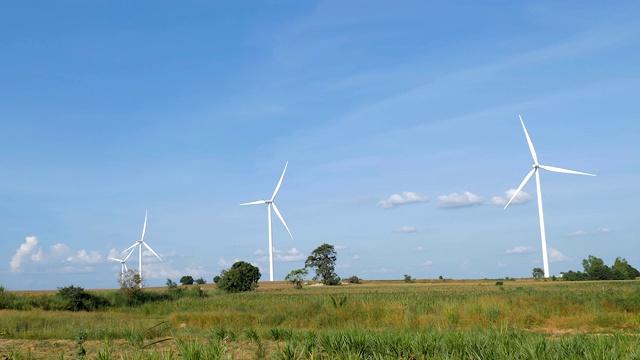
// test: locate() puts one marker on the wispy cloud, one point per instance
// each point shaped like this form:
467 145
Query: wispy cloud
405 198
427 263
420 248
521 198
520 250
405 229
459 200
584 233
555 255
289 255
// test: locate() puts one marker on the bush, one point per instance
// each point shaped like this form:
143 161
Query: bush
354 280
77 299
241 277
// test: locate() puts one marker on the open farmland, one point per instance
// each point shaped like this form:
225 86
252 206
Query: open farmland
377 319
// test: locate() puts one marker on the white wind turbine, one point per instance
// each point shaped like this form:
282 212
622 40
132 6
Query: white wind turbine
537 166
123 262
139 243
271 204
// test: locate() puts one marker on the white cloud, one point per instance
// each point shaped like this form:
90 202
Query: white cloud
87 258
427 263
405 229
555 255
406 197
419 249
583 232
223 262
459 200
520 250
356 257
31 242
58 258
521 198
290 255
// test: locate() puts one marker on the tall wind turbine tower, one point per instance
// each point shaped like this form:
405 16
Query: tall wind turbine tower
536 167
139 244
271 204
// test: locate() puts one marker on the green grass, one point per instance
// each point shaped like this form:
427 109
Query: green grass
374 320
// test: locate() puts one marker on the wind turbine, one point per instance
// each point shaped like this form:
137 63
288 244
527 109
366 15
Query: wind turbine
536 167
139 244
123 265
270 205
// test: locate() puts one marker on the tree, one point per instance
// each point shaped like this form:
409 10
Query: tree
621 270
131 285
186 280
408 278
596 269
171 284
354 280
538 273
296 277
241 277
200 281
323 259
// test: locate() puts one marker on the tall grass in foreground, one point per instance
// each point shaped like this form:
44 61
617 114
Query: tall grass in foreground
473 320
363 344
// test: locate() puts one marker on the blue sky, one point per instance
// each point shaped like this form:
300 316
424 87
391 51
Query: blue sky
399 122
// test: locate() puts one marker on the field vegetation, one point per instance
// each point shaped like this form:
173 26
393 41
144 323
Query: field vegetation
439 319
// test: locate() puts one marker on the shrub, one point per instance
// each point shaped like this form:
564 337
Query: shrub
354 280
241 277
76 299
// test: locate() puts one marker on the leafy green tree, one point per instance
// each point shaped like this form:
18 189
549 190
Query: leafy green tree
538 273
596 269
574 276
241 277
621 270
408 278
171 284
200 281
296 277
323 259
354 280
186 280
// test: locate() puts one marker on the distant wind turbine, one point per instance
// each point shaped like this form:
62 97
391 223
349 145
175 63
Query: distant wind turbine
271 204
537 166
123 262
139 244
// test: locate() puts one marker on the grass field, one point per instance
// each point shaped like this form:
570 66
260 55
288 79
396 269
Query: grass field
374 320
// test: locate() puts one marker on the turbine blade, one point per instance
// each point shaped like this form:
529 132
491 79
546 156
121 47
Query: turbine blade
131 252
561 170
114 259
125 267
533 151
131 247
144 227
255 202
279 182
526 178
150 249
275 208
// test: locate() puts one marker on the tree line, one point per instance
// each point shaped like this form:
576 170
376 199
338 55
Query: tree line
596 269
